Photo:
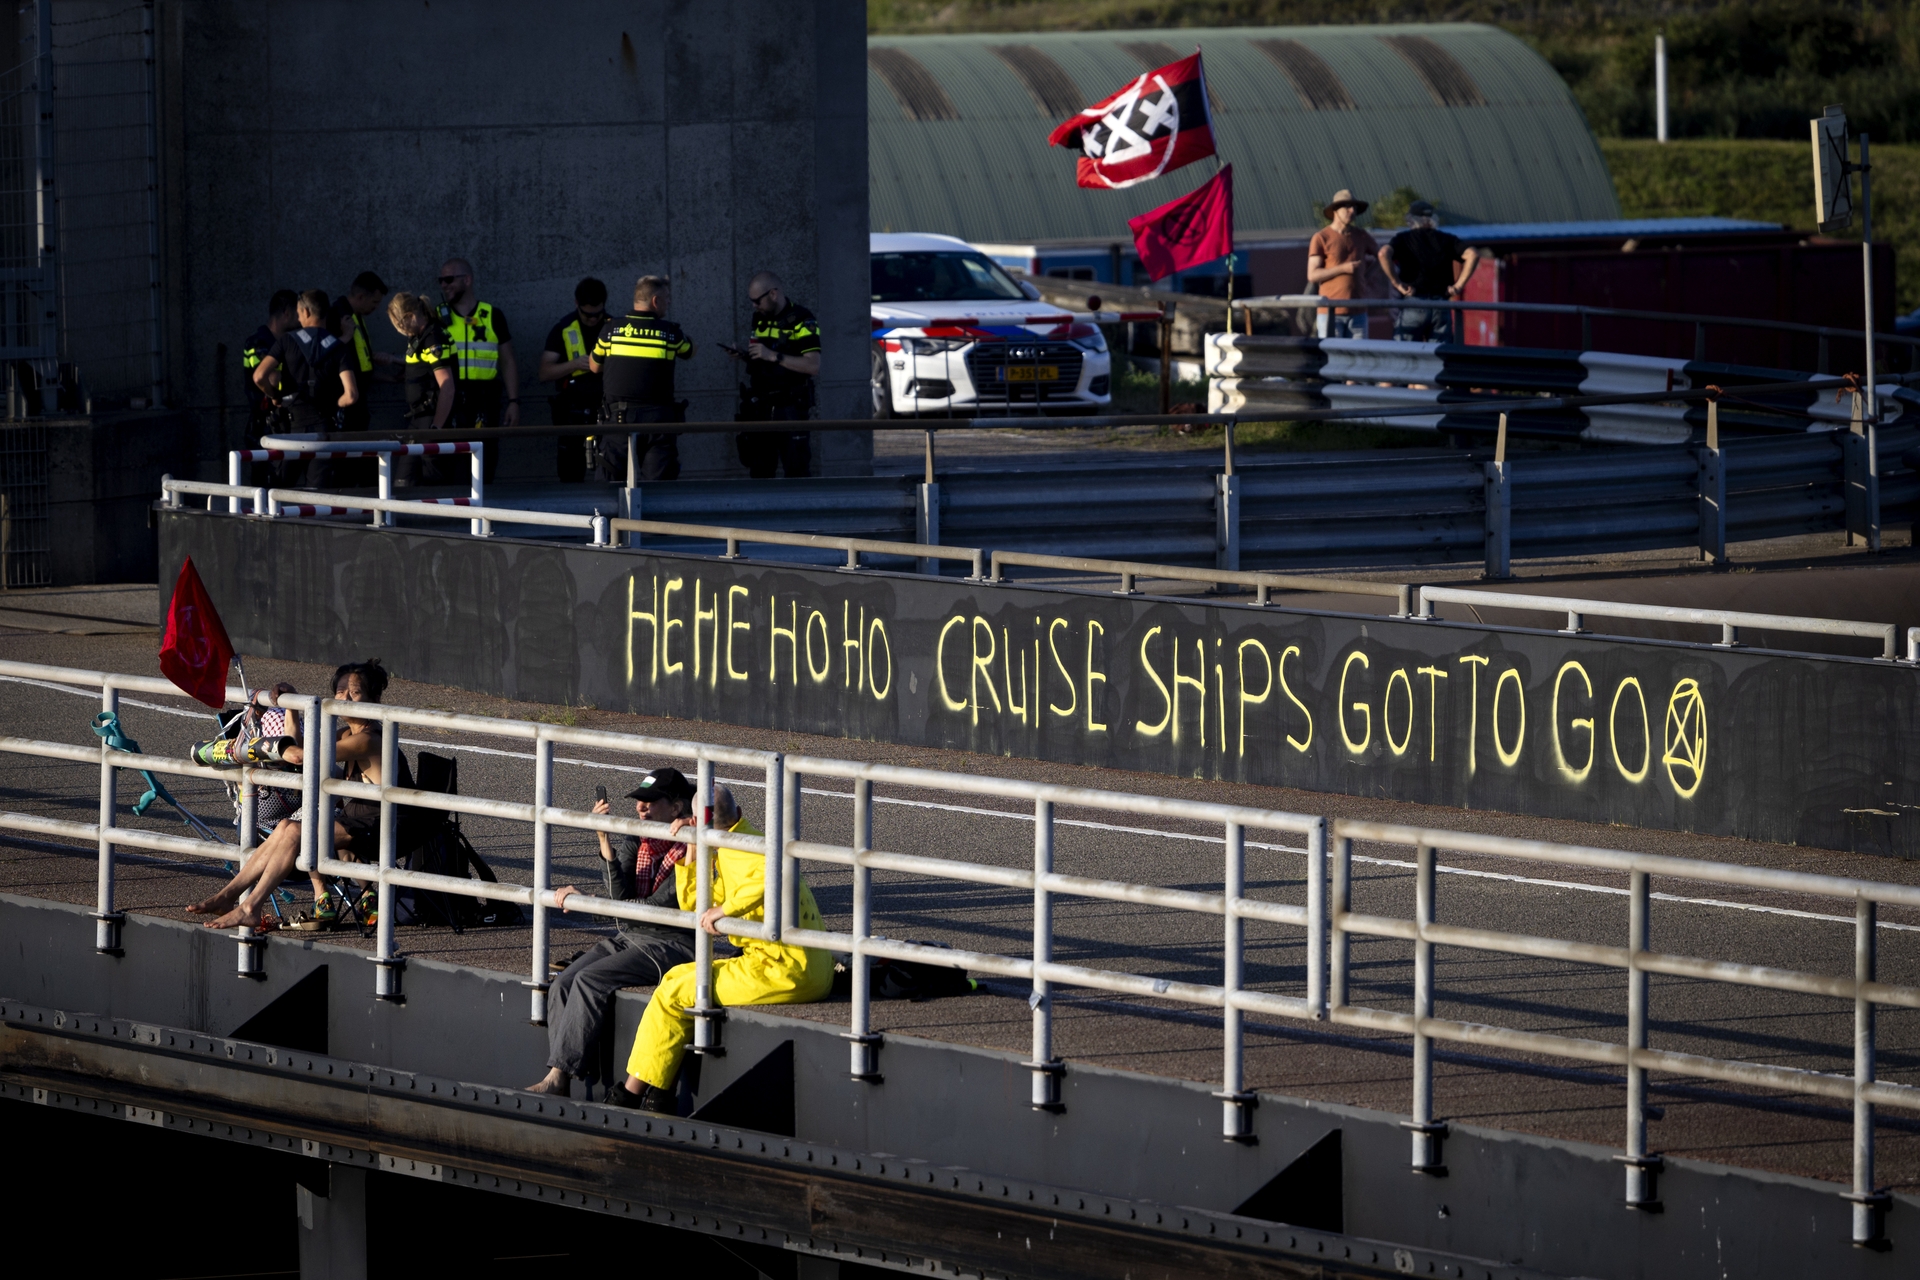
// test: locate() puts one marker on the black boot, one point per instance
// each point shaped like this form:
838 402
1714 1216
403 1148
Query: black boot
649 1098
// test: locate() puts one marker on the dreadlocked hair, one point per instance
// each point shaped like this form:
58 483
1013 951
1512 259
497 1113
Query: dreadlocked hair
373 677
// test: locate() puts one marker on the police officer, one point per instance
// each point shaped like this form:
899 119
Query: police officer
430 372
311 372
635 361
347 319
565 360
489 384
283 315
783 358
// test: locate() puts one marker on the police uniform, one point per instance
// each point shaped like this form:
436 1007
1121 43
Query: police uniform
359 358
427 352
259 403
577 403
310 361
476 343
775 394
636 358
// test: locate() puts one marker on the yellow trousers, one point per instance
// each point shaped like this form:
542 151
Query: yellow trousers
760 975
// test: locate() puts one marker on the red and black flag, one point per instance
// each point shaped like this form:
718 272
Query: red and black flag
1151 126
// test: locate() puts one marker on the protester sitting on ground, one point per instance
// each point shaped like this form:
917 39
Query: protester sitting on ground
356 827
763 972
1419 263
640 954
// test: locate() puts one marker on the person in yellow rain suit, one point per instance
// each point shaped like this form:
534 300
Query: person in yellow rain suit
763 972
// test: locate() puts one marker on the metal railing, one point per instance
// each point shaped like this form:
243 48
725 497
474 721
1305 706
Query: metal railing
1327 915
1638 960
1301 301
385 451
1729 621
1264 584
734 537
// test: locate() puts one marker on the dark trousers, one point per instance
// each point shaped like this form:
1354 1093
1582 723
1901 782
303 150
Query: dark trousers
477 407
659 452
570 452
1431 323
765 453
580 1001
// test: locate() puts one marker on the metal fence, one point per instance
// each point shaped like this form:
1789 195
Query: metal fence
1326 915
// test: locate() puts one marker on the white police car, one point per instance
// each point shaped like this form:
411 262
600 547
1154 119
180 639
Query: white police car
954 334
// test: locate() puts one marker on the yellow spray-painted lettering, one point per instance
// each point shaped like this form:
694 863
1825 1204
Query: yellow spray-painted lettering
1434 676
1685 751
982 666
711 616
855 675
652 619
1341 704
819 674
1298 744
1093 726
1199 686
1006 664
1246 699
1646 732
734 673
792 632
877 644
1572 774
947 699
1053 647
1509 758
1475 662
1141 726
667 623
1386 713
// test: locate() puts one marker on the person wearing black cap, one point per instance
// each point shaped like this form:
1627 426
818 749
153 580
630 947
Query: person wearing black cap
580 1001
1419 263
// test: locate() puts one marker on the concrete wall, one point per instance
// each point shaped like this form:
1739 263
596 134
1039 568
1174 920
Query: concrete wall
702 139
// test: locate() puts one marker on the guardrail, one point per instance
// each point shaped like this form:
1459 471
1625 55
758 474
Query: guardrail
384 450
1327 915
734 537
1264 584
1638 960
1728 620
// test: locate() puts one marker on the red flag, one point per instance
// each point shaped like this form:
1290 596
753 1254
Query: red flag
1196 228
1151 126
195 651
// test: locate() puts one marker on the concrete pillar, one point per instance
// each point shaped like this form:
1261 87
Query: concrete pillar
333 1225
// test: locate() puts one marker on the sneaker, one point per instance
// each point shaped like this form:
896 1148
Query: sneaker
326 912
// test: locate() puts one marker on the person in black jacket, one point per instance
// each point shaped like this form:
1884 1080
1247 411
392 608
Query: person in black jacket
580 1001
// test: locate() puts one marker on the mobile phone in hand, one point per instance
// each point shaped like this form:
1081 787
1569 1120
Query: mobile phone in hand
600 794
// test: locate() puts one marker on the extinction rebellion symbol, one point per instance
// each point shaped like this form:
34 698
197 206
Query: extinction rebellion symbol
1685 752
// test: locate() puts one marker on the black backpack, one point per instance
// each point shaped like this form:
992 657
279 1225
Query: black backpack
444 851
304 381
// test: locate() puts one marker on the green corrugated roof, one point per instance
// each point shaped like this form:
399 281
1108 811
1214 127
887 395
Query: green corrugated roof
1526 156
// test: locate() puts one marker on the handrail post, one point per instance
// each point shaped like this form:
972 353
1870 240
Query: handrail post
233 478
775 863
864 1044
926 515
789 819
1642 1169
631 505
1861 478
1236 1104
1499 500
309 782
537 979
1869 1205
1046 1068
384 489
706 1014
1713 493
477 489
386 981
1317 919
107 921
1226 519
1427 1135
1339 948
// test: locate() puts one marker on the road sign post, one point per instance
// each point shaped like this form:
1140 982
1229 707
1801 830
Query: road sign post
1833 210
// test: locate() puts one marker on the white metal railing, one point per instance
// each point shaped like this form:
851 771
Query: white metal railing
1327 915
1638 960
385 451
1729 621
734 537
1263 583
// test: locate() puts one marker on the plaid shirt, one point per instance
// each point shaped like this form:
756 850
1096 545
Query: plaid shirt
653 863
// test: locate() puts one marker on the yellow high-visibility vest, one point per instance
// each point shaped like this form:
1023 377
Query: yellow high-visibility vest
475 343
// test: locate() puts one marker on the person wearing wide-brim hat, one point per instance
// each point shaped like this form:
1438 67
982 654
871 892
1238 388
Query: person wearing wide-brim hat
1337 260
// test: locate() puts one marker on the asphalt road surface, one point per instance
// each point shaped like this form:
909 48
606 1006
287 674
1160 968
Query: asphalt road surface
1798 1135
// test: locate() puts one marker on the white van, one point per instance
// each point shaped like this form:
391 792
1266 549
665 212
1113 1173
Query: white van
955 335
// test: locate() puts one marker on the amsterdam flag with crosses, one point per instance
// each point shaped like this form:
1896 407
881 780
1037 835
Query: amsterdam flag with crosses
1151 126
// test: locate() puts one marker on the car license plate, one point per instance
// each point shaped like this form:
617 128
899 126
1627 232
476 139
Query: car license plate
1030 373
